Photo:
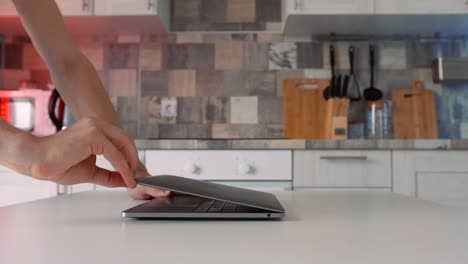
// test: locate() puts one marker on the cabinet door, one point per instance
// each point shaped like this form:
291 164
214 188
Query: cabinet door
321 7
421 7
7 8
75 7
448 188
124 7
343 169
220 165
438 176
16 188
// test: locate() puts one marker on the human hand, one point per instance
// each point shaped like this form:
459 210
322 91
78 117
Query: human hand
145 192
69 157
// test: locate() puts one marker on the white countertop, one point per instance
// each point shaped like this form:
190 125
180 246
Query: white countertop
320 227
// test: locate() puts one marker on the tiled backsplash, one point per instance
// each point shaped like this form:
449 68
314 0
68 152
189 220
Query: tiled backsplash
214 85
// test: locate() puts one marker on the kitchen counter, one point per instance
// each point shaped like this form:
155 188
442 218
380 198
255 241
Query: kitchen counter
319 227
253 144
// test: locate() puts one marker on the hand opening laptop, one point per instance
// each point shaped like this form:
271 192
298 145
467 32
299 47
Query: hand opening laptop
201 199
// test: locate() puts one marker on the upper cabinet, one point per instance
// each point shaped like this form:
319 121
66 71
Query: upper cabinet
7 8
125 7
91 17
304 18
75 7
421 7
67 7
320 7
156 13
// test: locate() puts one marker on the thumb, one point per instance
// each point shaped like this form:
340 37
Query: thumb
107 178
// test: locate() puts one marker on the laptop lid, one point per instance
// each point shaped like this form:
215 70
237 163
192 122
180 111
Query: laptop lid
214 191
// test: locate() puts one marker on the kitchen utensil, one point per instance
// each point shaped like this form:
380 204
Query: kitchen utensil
304 109
344 92
414 113
329 91
352 81
337 87
372 93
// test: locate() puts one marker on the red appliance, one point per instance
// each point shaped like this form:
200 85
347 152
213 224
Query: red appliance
27 109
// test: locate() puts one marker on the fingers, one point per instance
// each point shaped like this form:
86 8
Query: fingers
154 192
145 193
108 178
103 146
122 142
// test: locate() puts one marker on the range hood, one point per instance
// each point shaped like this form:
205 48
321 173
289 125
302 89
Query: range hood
306 25
450 69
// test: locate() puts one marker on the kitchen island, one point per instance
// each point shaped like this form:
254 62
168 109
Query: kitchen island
319 227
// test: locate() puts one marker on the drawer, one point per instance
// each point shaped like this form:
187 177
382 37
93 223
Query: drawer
355 169
221 165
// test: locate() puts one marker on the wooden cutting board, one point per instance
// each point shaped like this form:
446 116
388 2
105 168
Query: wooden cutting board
414 114
304 108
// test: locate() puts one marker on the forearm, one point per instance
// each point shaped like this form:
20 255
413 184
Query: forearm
72 73
80 80
15 148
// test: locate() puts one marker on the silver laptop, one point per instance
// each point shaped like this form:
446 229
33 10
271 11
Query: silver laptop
201 199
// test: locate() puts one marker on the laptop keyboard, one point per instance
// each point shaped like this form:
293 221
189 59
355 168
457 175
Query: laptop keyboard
213 206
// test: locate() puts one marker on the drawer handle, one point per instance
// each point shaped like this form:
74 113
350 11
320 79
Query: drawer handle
192 168
246 168
344 158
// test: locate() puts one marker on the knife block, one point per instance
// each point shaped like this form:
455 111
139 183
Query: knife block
337 119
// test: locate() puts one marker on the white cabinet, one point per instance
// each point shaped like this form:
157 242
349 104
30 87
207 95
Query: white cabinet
75 7
438 176
16 188
329 7
125 7
7 8
154 15
421 7
342 169
67 7
222 165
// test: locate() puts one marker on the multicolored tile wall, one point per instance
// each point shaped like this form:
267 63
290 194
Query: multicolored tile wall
229 84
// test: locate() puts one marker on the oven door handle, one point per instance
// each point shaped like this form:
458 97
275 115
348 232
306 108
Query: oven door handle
54 98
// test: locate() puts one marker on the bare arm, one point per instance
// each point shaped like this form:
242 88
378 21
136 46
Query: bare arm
12 142
69 157
72 73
